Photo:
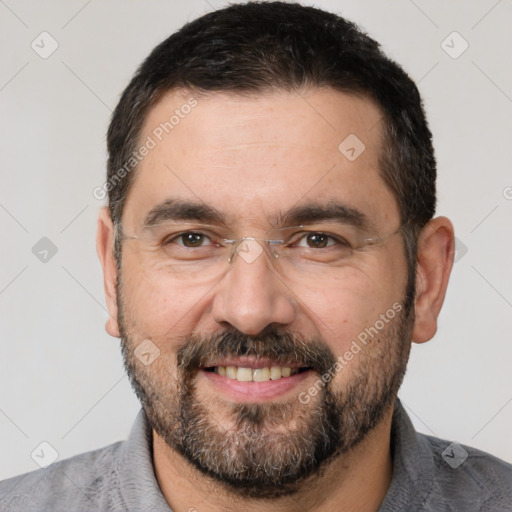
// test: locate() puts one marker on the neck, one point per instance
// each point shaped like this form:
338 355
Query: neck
356 481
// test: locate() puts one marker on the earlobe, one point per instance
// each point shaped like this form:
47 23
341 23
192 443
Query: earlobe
105 250
436 248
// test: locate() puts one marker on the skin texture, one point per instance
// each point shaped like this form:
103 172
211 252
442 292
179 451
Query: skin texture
251 159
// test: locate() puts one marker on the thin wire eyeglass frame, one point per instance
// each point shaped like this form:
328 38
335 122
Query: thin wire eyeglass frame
235 243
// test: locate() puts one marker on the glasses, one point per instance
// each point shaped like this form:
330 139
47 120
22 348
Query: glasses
201 252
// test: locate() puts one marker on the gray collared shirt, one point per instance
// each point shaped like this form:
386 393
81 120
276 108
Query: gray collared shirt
121 477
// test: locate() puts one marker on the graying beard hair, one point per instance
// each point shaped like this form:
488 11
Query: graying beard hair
250 462
245 460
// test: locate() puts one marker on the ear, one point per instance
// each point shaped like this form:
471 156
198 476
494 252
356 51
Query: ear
436 250
105 249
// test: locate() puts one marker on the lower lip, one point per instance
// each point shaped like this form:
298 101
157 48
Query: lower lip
254 391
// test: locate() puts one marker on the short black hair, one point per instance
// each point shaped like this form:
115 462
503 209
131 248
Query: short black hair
257 47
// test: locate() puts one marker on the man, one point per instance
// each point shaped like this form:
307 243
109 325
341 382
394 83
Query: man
269 253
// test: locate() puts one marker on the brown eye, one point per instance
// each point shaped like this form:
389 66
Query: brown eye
317 240
191 239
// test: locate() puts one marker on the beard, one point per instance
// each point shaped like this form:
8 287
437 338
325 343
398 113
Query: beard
267 450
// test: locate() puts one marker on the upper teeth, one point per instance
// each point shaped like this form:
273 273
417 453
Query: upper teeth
255 374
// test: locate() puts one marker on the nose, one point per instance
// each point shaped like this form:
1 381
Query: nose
251 296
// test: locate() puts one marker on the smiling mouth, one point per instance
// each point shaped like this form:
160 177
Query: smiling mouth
263 374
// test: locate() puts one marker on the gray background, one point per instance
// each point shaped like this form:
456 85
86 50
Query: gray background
62 378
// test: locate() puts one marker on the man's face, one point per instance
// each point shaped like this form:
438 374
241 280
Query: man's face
259 168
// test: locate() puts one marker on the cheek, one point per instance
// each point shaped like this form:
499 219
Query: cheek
342 309
156 305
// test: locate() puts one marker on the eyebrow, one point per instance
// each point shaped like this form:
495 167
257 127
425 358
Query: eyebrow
181 210
331 211
174 209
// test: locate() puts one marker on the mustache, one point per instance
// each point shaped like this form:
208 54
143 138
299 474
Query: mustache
199 351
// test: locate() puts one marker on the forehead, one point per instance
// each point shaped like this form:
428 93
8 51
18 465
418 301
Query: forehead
255 157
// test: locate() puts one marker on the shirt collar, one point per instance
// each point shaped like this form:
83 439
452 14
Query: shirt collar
413 465
137 480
